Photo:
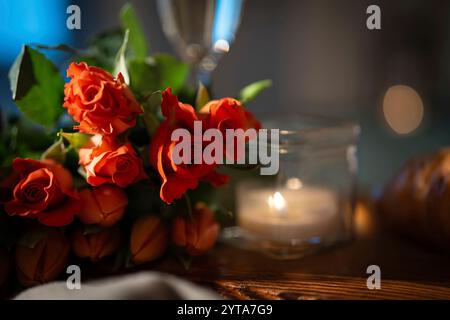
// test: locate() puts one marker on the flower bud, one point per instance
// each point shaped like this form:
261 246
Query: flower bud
148 239
44 261
197 234
97 245
103 205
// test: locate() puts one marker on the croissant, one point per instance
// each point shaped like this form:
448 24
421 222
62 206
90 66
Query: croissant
416 202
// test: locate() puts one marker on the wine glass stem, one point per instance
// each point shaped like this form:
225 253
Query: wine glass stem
204 76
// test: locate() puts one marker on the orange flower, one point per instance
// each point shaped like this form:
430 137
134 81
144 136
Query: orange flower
197 234
100 103
228 113
95 245
106 161
103 205
148 239
45 261
41 190
177 179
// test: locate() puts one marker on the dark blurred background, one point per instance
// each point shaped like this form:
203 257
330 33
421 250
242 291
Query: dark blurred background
319 54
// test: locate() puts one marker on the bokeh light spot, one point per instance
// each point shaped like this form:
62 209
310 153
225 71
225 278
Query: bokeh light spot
403 109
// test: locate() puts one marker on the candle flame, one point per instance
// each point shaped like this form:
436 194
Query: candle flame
278 203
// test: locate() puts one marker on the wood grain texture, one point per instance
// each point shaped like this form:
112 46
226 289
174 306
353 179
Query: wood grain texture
408 271
336 274
328 288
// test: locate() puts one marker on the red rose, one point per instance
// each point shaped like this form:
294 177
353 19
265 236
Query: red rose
106 161
228 113
197 234
41 190
177 179
100 103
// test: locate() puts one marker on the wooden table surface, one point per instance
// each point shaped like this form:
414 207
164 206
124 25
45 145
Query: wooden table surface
408 271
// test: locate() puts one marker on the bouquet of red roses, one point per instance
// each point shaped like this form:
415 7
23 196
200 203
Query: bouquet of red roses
108 186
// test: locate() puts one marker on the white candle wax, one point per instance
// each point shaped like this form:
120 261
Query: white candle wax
289 216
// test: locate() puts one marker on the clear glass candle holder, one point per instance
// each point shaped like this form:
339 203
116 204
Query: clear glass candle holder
309 204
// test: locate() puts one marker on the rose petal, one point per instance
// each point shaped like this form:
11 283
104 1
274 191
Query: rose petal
61 216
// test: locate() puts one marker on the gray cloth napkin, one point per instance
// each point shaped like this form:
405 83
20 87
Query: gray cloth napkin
142 285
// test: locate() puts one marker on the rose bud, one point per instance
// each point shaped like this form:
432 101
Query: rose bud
197 234
95 246
103 205
148 239
44 261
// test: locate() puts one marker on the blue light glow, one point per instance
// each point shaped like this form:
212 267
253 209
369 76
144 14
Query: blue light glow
226 20
31 21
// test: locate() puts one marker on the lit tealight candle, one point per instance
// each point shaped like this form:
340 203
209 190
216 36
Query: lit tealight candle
289 215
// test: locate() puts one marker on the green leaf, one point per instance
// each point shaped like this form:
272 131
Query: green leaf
21 75
252 90
56 152
151 105
37 87
92 61
157 73
130 21
121 63
172 72
202 98
103 48
24 152
34 137
76 140
144 77
58 47
79 182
